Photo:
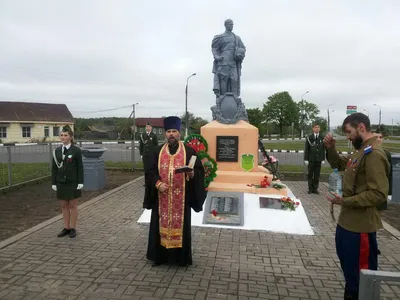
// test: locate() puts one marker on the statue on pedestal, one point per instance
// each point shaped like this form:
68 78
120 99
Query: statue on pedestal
228 51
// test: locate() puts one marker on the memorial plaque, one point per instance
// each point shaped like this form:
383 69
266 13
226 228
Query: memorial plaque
227 148
225 205
225 208
272 203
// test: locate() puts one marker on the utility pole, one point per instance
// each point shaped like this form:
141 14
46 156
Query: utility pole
186 106
302 115
392 127
329 118
133 135
380 115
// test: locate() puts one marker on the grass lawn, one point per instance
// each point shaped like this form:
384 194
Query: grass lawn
341 145
22 172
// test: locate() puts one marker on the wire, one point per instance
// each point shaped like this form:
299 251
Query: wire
104 110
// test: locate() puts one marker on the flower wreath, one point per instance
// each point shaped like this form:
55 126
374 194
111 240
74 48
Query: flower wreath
199 144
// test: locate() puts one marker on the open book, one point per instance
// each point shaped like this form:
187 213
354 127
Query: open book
189 167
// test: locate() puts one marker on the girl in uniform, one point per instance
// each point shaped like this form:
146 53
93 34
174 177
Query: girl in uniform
67 179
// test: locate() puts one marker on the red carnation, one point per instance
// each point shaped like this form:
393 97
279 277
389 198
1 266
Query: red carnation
214 212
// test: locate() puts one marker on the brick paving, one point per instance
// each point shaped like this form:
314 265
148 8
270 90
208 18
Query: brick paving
107 258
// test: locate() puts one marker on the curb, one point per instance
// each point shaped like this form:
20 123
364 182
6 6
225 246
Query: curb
19 236
393 231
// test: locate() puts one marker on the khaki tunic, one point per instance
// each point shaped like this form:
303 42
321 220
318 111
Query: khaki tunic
364 191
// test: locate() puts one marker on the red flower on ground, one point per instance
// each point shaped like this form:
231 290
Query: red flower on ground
214 212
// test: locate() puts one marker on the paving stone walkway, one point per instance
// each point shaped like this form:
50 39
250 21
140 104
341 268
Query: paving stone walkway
107 258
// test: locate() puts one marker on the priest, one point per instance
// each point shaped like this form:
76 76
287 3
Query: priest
171 195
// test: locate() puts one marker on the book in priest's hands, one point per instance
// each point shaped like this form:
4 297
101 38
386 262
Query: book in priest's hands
189 167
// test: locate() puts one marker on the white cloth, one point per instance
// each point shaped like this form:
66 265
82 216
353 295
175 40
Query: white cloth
306 162
54 187
80 186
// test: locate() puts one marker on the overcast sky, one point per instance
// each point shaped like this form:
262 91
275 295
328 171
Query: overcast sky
99 55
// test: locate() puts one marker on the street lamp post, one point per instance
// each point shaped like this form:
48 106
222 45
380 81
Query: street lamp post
329 117
302 114
134 133
186 109
380 115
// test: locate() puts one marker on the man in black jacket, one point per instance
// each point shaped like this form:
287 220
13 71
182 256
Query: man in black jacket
147 146
314 156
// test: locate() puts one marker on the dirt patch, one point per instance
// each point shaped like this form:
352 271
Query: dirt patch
35 203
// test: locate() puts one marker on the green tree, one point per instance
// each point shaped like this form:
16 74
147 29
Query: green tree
323 124
307 114
256 118
281 110
194 122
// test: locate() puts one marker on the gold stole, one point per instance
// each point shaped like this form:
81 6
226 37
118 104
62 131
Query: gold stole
171 206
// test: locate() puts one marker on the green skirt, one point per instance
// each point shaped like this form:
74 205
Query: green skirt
68 191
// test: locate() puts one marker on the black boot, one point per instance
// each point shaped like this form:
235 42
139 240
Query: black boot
63 232
72 233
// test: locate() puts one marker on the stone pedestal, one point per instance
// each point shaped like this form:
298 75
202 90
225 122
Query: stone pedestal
236 170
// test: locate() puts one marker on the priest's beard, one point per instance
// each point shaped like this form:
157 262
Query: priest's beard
357 142
172 141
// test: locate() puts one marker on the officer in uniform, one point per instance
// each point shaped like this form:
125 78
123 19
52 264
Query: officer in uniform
365 186
67 179
314 156
147 146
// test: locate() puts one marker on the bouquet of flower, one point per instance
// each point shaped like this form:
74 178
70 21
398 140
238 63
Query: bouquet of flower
273 160
263 184
288 203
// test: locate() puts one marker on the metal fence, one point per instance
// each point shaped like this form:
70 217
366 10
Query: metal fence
370 283
22 163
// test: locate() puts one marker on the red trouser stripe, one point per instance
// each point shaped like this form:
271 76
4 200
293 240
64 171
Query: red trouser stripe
364 251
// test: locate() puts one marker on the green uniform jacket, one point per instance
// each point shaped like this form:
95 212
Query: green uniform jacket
364 191
72 169
148 144
314 149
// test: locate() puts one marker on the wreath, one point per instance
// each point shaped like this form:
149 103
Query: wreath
199 144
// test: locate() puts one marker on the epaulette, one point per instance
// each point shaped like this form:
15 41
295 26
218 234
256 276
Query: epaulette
368 149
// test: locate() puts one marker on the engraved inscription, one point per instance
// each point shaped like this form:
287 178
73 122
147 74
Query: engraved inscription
227 148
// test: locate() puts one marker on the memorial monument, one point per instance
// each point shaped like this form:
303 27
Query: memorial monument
232 141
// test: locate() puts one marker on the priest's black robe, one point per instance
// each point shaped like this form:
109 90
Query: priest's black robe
194 199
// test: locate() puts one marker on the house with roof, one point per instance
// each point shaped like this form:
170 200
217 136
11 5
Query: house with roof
24 122
156 123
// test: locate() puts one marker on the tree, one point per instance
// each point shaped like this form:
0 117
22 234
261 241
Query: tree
322 122
307 114
281 110
194 122
256 118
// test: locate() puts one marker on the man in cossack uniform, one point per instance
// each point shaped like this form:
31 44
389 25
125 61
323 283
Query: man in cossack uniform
365 188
